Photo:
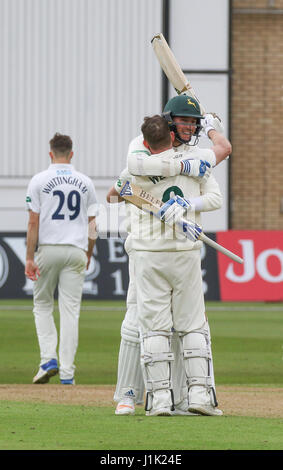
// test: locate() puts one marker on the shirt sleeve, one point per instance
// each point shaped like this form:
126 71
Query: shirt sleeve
125 175
136 146
210 195
142 163
206 154
33 196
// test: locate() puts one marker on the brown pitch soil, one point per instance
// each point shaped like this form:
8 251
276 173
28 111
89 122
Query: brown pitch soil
233 400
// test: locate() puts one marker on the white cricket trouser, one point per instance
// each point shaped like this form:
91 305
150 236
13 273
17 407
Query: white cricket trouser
169 290
130 380
169 295
62 266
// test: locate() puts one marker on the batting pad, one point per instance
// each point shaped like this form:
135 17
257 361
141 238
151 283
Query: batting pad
197 359
179 380
130 382
156 359
130 333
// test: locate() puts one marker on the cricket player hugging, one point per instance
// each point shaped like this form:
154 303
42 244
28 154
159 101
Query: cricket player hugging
167 265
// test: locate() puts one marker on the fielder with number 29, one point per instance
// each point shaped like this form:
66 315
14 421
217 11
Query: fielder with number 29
62 208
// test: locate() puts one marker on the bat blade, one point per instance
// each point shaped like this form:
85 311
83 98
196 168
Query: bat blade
140 198
143 200
171 68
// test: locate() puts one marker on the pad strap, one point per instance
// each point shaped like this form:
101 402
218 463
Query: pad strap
151 358
192 353
201 331
153 385
204 381
149 334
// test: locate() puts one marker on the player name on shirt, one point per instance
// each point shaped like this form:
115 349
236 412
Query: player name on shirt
156 179
58 180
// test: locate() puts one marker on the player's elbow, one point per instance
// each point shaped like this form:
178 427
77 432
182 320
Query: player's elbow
135 164
228 148
218 201
223 151
133 167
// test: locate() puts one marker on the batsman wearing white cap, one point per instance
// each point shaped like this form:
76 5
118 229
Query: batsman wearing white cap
62 208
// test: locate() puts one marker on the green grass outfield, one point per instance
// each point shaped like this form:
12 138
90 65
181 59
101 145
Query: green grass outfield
28 426
247 350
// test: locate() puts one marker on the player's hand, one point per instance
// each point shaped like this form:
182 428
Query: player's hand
212 122
199 169
31 270
190 229
174 209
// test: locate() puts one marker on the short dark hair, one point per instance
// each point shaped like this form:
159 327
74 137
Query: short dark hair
156 132
61 143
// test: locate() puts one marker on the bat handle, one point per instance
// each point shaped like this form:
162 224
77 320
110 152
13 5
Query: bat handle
220 248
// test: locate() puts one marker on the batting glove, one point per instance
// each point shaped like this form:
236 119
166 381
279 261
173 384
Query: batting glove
199 169
190 229
212 121
173 210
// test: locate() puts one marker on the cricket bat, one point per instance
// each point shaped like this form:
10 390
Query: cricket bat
172 69
149 203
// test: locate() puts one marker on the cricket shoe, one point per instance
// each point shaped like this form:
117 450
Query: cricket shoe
181 409
67 382
47 370
206 410
178 412
165 411
125 407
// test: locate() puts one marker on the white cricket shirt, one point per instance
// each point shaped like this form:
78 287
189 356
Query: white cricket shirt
64 198
147 232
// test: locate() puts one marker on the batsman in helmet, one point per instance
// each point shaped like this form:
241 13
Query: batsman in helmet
184 170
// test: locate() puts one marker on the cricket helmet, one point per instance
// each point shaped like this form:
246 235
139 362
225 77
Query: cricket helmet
184 106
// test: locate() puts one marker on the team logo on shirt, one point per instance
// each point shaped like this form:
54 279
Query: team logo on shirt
63 172
28 199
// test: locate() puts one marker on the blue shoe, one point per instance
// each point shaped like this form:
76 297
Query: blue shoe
47 370
67 381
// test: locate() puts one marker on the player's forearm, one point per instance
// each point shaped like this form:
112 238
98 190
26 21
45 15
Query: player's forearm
113 196
169 163
222 148
91 245
92 237
140 164
92 232
209 202
32 239
210 195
